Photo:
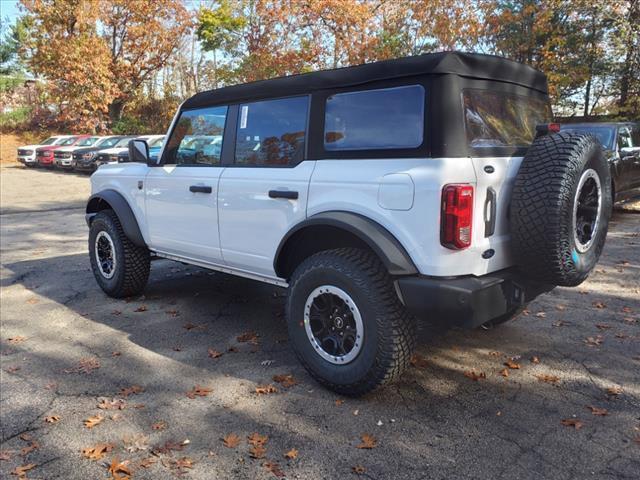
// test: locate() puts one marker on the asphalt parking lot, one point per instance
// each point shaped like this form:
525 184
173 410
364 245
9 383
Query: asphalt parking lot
165 385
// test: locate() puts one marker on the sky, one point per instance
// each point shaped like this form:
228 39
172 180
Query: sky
9 9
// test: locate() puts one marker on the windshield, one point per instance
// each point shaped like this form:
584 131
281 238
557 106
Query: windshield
87 142
157 142
68 141
107 142
123 142
48 141
605 135
60 140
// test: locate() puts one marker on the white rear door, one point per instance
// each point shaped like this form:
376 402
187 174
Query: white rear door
263 194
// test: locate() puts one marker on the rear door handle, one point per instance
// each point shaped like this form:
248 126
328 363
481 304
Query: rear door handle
200 189
490 212
291 195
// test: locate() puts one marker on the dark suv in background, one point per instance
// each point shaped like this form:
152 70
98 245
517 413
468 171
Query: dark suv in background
88 159
621 142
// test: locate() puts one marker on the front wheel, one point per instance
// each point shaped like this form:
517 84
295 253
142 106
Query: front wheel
346 323
120 267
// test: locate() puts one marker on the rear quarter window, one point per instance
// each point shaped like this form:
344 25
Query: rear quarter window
387 118
498 119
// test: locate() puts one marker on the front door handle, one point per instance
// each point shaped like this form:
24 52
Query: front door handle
289 194
200 189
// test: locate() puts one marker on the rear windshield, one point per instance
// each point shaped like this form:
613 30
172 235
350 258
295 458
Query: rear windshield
606 135
497 119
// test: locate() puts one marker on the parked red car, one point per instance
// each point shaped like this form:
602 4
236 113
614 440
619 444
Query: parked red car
44 155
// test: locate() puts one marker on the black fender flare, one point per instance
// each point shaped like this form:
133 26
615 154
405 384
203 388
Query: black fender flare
392 254
120 206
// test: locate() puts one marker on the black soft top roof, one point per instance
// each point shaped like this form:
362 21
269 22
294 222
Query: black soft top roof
472 65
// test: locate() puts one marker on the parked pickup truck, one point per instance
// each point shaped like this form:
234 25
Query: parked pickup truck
27 153
428 188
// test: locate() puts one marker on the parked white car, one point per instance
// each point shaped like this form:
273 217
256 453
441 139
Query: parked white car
63 156
27 153
427 188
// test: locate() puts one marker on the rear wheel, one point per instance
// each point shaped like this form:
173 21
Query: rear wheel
120 267
347 326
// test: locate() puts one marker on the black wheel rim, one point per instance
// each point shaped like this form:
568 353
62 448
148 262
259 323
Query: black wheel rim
587 210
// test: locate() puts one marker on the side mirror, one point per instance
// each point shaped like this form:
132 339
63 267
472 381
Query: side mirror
629 151
139 151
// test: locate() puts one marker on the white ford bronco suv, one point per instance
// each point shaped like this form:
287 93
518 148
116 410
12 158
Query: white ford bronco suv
425 188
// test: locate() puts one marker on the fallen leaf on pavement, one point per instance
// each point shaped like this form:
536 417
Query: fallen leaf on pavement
161 425
86 365
25 437
418 361
16 340
257 439
52 419
286 381
168 447
141 308
594 341
136 443
543 377
22 470
475 376
339 402
368 441
274 468
615 390
114 404
494 354
5 455
504 372
199 391
133 390
512 365
93 421
119 470
147 462
97 451
535 360
291 454
627 310
572 422
231 441
257 451
248 337
541 315
599 305
266 389
561 307
29 448
192 326
214 353
13 369
358 470
173 313
598 411
602 326
116 312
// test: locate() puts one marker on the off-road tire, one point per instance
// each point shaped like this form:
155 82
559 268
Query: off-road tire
542 208
133 262
389 330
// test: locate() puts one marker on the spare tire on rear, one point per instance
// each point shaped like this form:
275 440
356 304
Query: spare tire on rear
560 208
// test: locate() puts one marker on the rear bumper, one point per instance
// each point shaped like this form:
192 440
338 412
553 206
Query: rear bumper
469 301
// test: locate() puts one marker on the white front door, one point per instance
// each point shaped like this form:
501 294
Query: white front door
263 194
181 196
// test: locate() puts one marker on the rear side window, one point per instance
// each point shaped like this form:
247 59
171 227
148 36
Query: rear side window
197 137
497 119
380 119
272 132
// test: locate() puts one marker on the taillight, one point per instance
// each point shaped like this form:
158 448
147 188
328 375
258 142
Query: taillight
457 216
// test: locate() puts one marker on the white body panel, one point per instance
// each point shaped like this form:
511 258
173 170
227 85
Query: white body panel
181 222
32 157
252 225
240 227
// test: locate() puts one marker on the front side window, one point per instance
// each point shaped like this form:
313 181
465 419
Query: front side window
197 137
381 119
272 132
498 119
123 142
68 141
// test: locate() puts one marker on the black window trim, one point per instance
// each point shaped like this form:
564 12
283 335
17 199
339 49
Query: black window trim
162 161
317 150
230 161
